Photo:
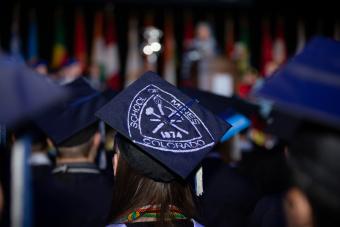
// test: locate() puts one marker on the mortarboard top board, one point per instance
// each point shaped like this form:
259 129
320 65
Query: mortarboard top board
72 122
308 86
230 109
164 123
219 104
23 92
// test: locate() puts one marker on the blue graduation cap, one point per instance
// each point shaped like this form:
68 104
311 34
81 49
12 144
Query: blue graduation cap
66 123
308 86
238 121
164 123
23 92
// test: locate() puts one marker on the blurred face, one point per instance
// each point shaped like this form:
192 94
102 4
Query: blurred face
203 32
297 208
42 69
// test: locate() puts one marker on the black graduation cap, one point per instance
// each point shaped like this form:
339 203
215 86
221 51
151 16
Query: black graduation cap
23 92
164 123
73 122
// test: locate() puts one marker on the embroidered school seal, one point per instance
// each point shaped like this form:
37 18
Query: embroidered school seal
159 120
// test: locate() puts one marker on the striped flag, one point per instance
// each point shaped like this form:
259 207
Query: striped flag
112 63
169 51
59 54
134 61
32 55
80 39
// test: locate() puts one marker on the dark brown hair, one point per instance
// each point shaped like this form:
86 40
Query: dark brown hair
133 190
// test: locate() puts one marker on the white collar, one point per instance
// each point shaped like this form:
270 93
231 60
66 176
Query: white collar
39 158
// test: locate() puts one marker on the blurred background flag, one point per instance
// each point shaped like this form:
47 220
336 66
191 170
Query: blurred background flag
59 53
15 43
32 55
134 61
229 37
98 45
337 31
242 52
188 31
80 50
301 36
112 63
267 46
279 47
169 50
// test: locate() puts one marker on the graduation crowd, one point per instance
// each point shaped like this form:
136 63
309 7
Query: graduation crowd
159 155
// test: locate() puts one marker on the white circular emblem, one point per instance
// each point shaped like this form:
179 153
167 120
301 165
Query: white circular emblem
158 120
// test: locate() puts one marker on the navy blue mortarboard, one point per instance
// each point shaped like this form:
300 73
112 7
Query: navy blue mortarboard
23 92
219 104
72 123
308 86
234 110
164 123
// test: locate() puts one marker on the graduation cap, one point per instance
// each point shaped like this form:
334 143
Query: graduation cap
164 124
308 86
232 109
219 104
23 92
73 122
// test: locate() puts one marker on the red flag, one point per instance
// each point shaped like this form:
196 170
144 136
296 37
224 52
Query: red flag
80 39
112 63
267 44
229 37
188 31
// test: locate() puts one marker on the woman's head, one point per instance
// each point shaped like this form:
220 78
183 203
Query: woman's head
133 189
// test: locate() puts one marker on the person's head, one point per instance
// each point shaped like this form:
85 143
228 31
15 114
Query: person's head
140 180
38 138
83 144
163 137
203 31
314 157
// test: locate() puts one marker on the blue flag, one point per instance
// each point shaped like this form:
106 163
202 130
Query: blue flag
32 55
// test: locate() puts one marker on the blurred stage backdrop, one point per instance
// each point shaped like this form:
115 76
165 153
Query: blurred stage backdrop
222 46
